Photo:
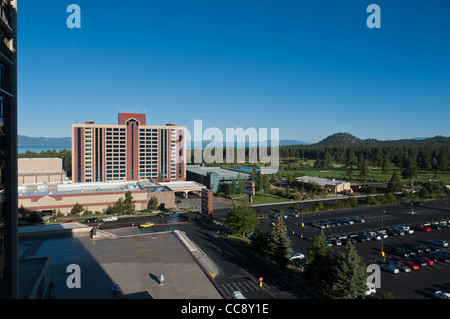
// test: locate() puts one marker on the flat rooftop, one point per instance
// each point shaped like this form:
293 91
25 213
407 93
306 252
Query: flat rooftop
319 180
222 172
88 188
133 262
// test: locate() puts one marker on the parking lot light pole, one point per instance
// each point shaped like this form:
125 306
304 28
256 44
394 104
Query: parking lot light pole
382 215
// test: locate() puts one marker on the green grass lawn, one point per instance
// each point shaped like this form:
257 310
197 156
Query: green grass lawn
261 198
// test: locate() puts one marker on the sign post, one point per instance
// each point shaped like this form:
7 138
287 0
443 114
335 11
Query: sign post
250 190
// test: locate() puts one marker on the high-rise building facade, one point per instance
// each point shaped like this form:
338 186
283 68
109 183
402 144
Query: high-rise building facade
128 151
8 150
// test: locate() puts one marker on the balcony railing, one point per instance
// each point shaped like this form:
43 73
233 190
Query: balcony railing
6 51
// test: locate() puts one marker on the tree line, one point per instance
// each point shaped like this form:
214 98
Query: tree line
426 158
65 154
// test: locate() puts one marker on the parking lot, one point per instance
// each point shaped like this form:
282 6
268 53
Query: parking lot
365 230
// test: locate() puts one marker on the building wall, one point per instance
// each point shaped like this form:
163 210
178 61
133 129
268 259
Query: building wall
128 151
8 151
40 170
92 201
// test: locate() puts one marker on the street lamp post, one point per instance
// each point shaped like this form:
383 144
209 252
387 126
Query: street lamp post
382 228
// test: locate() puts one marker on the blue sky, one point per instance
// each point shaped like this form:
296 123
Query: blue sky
309 68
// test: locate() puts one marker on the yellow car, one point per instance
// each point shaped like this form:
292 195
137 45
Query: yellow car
146 225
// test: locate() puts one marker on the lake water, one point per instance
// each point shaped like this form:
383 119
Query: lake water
38 149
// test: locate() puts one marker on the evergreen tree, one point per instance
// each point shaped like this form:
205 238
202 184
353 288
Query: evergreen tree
281 244
318 269
385 166
260 241
152 203
129 207
394 183
242 219
409 169
77 209
364 170
350 275
351 159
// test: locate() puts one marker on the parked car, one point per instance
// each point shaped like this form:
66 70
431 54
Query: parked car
371 289
414 247
395 232
319 225
347 221
110 219
360 238
296 255
442 294
237 295
405 229
429 261
401 266
424 247
374 235
279 214
399 251
432 257
435 226
92 220
389 268
335 241
168 213
293 214
429 245
422 228
411 264
358 219
439 242
442 256
348 240
382 234
421 262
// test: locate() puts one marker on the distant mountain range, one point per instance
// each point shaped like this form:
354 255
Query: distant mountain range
337 139
43 141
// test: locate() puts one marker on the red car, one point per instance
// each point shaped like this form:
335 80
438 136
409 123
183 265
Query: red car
411 264
428 260
422 228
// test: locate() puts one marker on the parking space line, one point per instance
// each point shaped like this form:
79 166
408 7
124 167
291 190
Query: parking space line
225 288
240 284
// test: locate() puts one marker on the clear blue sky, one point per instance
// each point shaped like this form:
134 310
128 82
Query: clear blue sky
309 68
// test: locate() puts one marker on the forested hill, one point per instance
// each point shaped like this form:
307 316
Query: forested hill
346 139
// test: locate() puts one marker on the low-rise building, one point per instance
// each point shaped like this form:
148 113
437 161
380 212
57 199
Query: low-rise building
40 170
93 196
213 177
333 185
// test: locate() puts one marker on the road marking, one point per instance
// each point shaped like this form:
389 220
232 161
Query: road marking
266 290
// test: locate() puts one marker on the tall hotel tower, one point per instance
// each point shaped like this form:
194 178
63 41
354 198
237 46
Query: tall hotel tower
128 151
8 151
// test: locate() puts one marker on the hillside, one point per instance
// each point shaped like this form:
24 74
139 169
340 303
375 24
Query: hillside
347 139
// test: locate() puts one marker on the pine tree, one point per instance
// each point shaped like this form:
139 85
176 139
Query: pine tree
318 270
281 244
242 219
350 275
